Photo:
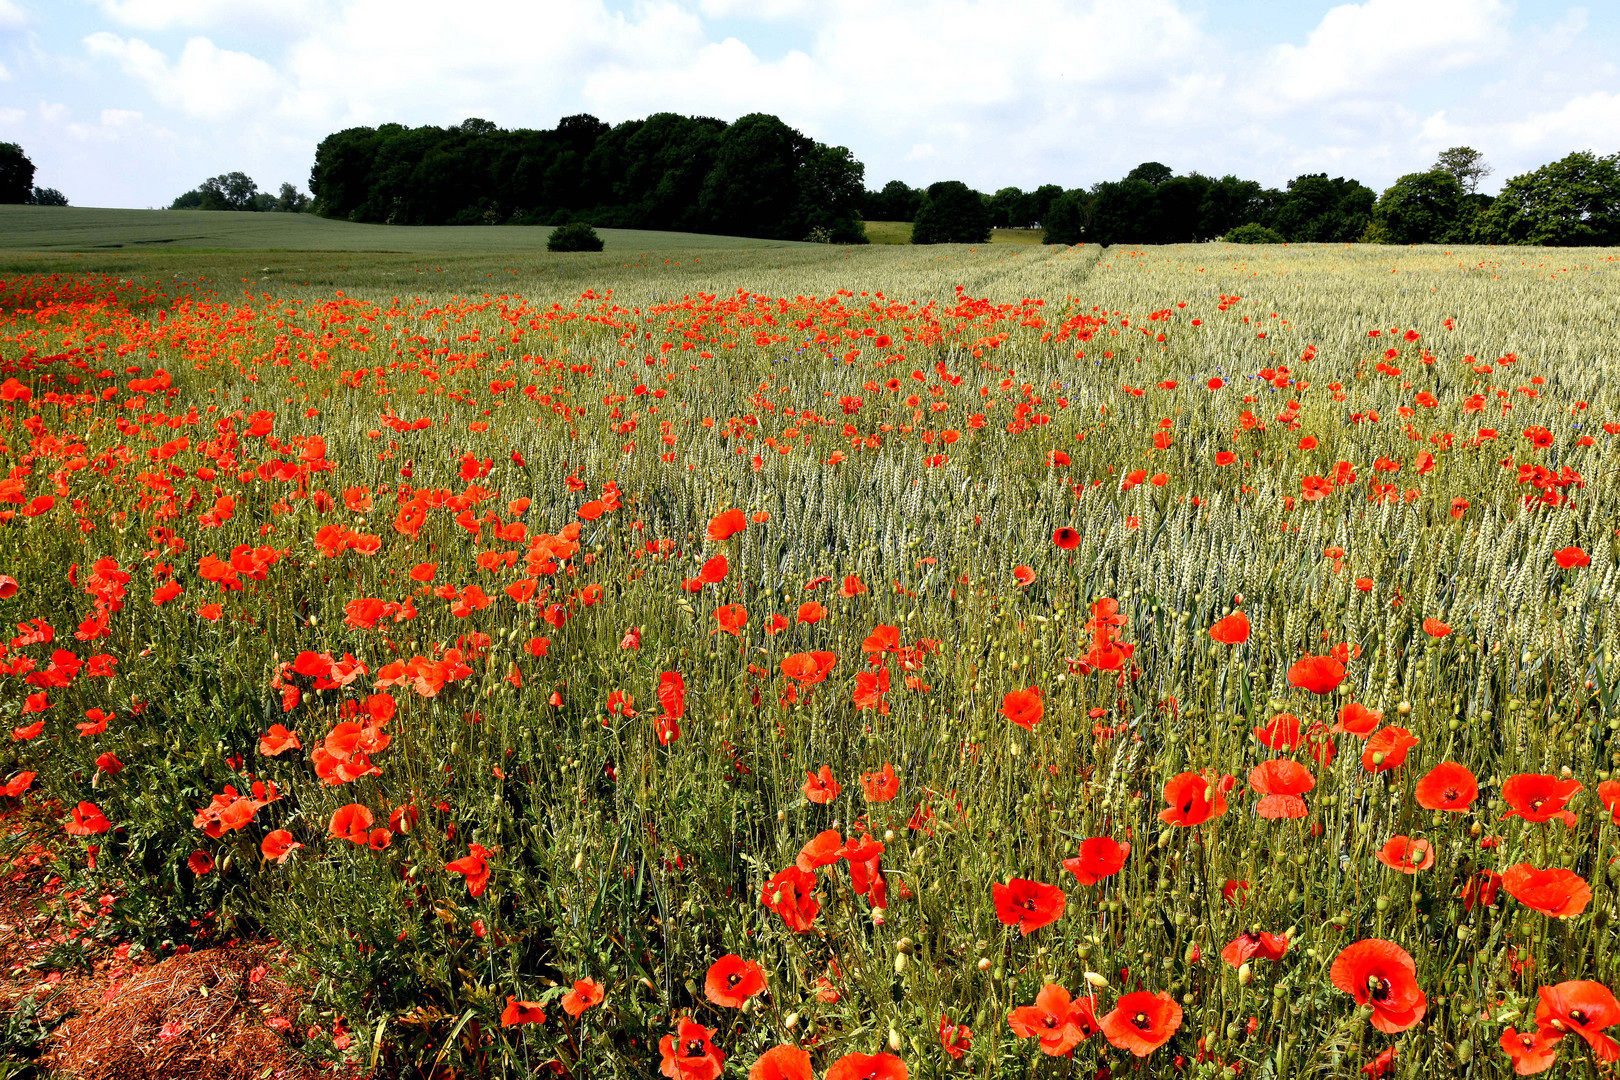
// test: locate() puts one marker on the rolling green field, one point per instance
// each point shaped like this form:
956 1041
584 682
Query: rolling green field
846 662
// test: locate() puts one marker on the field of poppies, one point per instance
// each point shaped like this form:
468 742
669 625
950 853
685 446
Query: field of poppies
840 665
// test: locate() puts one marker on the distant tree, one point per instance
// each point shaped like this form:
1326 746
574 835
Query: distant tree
1315 209
1465 164
1005 208
831 183
228 191
575 236
1572 201
1065 219
1151 172
1178 216
952 213
475 126
898 201
44 196
1423 208
1123 212
1253 233
16 174
752 189
1230 202
291 200
1036 204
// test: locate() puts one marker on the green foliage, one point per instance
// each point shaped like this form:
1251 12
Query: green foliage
1066 219
574 236
1575 200
952 213
1317 210
16 174
898 201
1253 233
1424 208
44 196
1465 164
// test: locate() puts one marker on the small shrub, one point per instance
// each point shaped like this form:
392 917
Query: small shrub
1253 233
575 236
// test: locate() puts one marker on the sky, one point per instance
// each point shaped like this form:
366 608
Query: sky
129 103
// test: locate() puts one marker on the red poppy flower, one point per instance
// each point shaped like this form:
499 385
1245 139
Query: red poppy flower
1232 630
1317 674
1608 794
1355 719
352 823
689 1055
1023 707
954 1039
1193 798
278 845
1254 943
714 571
821 787
1281 782
1381 974
1281 734
811 612
791 894
1572 557
809 668
1581 1008
1406 855
783 1062
1531 1053
1024 575
1447 786
1435 628
24 780
867 1067
200 862
725 525
1556 892
1387 749
1066 538
1055 1019
474 867
1538 797
731 981
1028 905
881 786
823 849
1142 1022
586 994
1099 857
521 1012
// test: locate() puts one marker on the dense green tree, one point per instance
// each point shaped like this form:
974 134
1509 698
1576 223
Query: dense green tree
44 196
1006 208
1151 172
16 174
1423 208
227 191
898 201
751 190
1575 200
1036 204
1179 209
574 236
1230 202
1123 212
1315 209
1253 233
952 213
1065 219
831 183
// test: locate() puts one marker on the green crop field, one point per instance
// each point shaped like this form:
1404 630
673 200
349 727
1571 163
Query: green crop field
715 658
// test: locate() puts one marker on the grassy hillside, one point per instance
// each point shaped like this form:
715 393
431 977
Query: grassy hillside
76 228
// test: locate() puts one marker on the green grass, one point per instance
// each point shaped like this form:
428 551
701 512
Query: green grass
899 232
78 228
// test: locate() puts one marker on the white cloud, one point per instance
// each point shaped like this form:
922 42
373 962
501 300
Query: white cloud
5 76
12 117
208 82
210 14
12 17
921 151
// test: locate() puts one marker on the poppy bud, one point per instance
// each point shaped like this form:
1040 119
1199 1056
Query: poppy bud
984 963
791 1021
1404 707
1245 975
1097 980
894 1040
579 860
900 961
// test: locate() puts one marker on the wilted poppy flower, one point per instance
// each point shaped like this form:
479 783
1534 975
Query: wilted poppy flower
1317 674
1281 783
821 787
1246 946
1055 1019
1023 707
1572 557
881 786
1066 538
791 894
1357 719
1447 786
867 1067
688 1054
1028 905
1099 857
1232 630
586 994
1556 892
954 1039
1193 798
1581 1008
731 981
1530 1052
1387 749
1142 1022
278 845
474 867
1538 797
1381 974
1406 855
521 1012
785 1062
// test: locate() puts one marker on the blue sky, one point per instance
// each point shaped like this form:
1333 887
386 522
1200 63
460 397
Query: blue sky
131 102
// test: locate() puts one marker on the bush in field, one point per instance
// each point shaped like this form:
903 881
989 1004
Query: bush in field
574 236
1253 233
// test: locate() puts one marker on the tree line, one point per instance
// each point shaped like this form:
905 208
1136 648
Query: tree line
755 177
17 180
1572 201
